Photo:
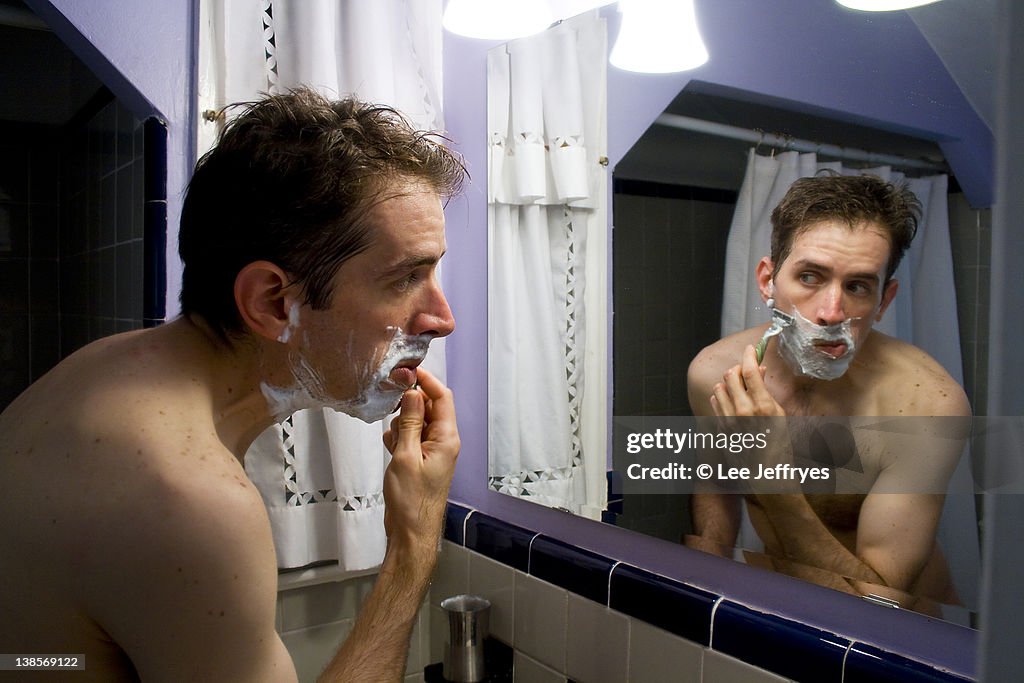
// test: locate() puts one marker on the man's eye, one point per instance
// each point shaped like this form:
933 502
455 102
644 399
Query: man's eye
407 281
859 288
808 278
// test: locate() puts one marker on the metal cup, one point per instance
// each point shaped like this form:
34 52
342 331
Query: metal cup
464 642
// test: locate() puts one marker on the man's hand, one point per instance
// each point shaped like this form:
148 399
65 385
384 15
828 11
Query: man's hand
742 391
424 443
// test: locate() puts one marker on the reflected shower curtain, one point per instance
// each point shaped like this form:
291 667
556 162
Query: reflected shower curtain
924 312
546 206
320 472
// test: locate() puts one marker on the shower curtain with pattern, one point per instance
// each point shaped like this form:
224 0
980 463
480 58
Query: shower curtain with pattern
924 312
547 192
320 472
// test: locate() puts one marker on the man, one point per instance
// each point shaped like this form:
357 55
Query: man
310 237
836 242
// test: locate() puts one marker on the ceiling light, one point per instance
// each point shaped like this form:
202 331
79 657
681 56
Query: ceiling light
883 5
496 19
658 37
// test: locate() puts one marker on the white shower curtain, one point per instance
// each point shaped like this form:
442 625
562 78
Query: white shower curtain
320 472
924 312
547 195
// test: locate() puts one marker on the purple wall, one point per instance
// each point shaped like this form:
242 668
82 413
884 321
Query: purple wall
144 52
875 70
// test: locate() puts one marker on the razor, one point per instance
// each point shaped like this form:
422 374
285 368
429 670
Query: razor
780 321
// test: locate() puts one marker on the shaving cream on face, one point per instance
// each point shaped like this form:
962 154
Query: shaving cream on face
797 347
377 396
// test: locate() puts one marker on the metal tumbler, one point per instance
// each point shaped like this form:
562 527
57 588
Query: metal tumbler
464 643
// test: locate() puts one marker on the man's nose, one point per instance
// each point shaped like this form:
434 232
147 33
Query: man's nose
435 318
830 307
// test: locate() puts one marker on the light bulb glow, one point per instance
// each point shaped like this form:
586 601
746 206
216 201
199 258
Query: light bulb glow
496 19
658 37
883 5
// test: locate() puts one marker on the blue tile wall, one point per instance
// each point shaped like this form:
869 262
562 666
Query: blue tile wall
455 523
580 571
154 305
499 540
667 604
866 664
785 647
782 646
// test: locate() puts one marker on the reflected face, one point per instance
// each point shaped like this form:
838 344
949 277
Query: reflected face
359 355
834 279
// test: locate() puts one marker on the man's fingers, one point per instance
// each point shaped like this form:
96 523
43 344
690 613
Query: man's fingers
410 422
442 404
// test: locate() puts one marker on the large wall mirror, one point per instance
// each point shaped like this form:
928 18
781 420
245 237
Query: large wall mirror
902 95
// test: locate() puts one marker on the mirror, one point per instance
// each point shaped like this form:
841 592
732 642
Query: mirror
805 71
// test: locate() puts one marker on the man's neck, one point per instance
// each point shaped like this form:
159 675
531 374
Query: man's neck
231 372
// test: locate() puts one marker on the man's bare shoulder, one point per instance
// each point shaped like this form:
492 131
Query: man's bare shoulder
912 382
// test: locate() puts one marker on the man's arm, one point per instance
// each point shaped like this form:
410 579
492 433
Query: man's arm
424 443
715 515
716 522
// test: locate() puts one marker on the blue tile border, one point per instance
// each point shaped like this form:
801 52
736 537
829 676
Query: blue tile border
868 664
499 540
455 523
154 240
782 646
670 605
580 571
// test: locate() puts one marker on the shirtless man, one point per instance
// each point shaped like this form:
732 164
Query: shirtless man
130 534
836 242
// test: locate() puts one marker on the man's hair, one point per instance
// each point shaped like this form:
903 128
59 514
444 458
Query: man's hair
291 181
853 200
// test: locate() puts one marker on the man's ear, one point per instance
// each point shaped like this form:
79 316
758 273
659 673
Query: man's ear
261 298
888 294
764 272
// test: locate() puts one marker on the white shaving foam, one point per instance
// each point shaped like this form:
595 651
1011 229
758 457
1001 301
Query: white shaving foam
377 397
797 347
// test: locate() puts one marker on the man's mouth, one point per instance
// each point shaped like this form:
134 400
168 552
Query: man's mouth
404 374
832 349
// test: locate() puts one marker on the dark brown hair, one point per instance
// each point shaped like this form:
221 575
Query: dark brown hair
852 200
290 181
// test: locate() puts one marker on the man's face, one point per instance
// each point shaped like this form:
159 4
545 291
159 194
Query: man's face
387 305
834 274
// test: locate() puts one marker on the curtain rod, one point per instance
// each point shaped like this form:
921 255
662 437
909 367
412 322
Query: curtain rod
786 142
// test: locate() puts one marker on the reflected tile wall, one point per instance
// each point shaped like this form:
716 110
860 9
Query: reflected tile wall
29 275
73 224
102 226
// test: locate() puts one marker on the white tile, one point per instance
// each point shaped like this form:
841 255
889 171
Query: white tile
656 655
526 670
451 576
413 678
312 648
438 629
496 582
597 642
323 603
540 625
418 642
719 668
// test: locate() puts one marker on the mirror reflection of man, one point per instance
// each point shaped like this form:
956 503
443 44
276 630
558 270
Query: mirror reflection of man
311 236
836 242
